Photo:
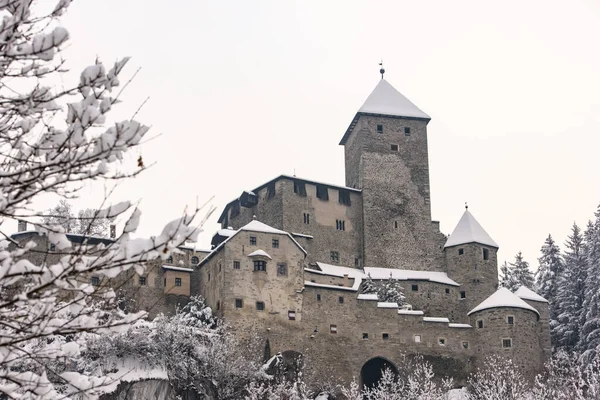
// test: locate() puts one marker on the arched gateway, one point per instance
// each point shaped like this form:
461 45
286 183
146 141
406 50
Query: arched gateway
372 371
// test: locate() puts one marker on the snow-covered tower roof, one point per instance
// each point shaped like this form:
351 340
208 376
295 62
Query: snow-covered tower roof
385 100
468 230
503 298
527 294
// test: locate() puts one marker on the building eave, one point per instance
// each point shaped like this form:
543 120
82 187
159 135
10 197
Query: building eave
359 114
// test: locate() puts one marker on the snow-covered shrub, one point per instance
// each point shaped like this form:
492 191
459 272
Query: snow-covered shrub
387 290
499 379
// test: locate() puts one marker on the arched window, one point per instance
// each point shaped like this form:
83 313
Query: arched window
195 260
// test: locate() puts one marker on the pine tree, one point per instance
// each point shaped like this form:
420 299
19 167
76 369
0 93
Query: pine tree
590 332
570 292
522 275
391 291
550 269
507 278
368 286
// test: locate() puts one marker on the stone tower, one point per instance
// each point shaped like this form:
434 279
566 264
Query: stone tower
471 260
386 157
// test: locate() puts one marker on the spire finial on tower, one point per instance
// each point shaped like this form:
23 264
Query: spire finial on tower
381 70
466 206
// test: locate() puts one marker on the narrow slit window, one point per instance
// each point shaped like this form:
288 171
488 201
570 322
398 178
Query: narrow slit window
341 299
142 281
379 128
480 324
307 218
463 295
486 254
510 320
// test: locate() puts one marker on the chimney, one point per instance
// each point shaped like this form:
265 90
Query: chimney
113 231
22 227
346 281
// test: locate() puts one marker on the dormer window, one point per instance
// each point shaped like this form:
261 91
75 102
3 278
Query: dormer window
322 192
379 128
300 188
248 199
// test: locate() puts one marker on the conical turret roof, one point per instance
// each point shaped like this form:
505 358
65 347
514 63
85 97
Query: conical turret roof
468 230
503 298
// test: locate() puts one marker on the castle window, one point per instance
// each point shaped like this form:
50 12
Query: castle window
260 265
282 269
356 262
236 265
170 260
385 336
465 345
506 343
318 297
417 338
260 306
218 305
252 240
379 128
292 315
406 131
344 197
486 254
340 225
463 294
52 247
332 328
300 188
208 278
394 147
479 324
271 190
275 243
219 266
195 260
442 341
510 320
461 252
395 224
322 192
447 291
414 288
239 303
307 218
365 336
334 256
177 281
95 281
341 299
142 281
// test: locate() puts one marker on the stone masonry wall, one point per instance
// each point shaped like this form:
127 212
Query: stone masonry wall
395 185
478 277
525 351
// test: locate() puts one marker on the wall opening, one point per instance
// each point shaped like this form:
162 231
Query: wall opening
372 371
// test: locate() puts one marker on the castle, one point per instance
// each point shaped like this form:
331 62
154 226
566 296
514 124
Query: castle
291 254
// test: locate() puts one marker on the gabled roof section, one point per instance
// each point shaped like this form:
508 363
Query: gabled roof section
503 298
527 294
252 226
280 177
385 100
468 230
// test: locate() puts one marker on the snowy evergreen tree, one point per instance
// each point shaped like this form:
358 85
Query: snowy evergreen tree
550 269
368 286
590 331
519 273
570 292
387 290
507 278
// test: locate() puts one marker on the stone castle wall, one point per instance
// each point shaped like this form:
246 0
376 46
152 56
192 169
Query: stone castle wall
398 232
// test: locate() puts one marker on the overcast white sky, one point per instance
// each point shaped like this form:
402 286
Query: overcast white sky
242 91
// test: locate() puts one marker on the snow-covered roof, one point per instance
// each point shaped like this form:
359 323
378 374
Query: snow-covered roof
226 232
527 294
302 235
503 298
386 100
259 253
468 230
409 275
410 312
385 304
459 326
172 268
336 270
321 285
435 319
368 296
252 226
